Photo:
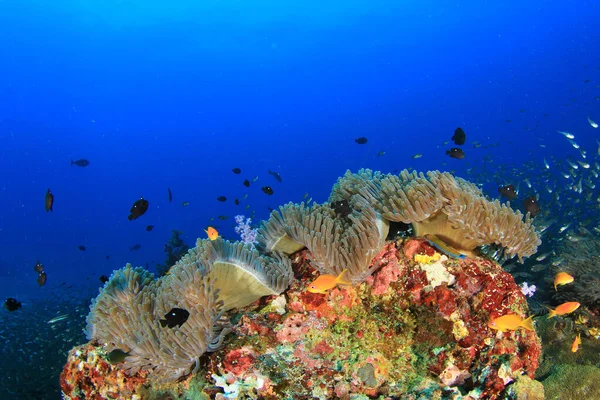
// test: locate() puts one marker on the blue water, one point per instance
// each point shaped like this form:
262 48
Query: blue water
157 96
161 95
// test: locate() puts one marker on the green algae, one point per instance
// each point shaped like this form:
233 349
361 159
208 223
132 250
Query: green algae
572 382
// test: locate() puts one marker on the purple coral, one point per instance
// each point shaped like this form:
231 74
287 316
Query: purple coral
527 290
243 229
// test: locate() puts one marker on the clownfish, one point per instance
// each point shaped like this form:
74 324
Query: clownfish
325 282
212 233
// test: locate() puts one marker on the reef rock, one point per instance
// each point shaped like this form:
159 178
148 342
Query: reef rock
397 335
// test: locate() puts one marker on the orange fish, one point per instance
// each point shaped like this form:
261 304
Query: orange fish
564 308
325 282
212 233
511 322
576 343
562 278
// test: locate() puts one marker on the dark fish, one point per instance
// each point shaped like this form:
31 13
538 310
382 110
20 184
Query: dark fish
236 171
135 247
175 317
107 257
82 248
459 137
237 202
267 190
246 183
222 198
531 205
138 209
38 267
455 152
103 278
41 280
116 356
223 217
185 204
341 208
170 194
361 140
80 163
275 175
149 228
12 304
49 200
508 191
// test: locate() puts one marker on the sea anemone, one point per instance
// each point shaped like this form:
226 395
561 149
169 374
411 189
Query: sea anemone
335 242
126 316
242 274
440 204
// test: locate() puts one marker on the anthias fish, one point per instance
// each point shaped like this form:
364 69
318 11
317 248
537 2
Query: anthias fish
326 282
511 322
563 309
562 278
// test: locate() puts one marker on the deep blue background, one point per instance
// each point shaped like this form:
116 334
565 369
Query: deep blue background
157 94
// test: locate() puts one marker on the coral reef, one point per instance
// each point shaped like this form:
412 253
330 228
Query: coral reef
399 334
413 325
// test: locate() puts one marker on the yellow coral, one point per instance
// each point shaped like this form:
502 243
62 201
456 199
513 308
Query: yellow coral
425 259
595 332
582 320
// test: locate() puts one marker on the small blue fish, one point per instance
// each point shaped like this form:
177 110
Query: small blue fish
439 244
